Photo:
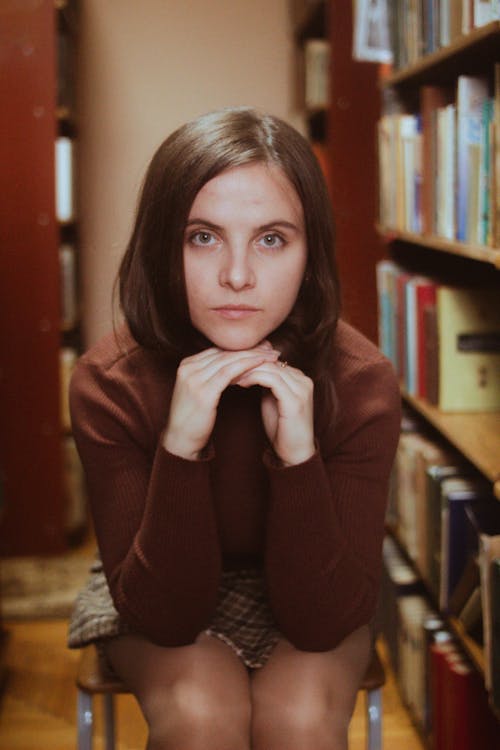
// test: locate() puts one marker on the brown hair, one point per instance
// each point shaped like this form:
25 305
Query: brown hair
151 278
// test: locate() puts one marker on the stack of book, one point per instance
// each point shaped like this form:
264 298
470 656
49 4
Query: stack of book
444 341
444 694
419 28
448 522
439 167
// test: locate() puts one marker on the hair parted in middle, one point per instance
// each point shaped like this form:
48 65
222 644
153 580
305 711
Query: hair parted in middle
151 276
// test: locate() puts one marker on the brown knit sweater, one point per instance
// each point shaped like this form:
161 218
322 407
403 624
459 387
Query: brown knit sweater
167 526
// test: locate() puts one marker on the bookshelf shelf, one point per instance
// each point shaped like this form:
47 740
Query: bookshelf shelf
475 435
473 649
481 253
468 53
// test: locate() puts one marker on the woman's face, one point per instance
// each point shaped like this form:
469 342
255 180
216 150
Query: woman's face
244 255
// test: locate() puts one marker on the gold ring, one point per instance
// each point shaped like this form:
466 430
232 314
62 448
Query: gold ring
283 364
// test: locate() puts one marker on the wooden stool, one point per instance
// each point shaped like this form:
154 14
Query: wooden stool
92 680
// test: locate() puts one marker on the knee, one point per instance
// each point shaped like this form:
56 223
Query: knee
189 715
304 721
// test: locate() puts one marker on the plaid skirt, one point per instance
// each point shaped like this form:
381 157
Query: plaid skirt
242 618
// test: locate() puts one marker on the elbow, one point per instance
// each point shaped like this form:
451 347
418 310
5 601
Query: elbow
167 618
323 629
167 629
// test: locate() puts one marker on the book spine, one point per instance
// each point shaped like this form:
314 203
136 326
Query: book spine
65 209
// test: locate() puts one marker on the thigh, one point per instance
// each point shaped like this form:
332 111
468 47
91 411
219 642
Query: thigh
205 679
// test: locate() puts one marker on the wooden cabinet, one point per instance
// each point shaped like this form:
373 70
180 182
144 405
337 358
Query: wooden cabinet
34 516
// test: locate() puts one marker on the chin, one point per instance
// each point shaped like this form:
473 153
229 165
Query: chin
237 343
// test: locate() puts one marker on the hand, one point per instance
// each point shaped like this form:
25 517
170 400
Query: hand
200 382
287 409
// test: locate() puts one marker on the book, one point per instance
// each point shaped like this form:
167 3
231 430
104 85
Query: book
435 631
471 93
387 274
489 550
431 343
398 580
413 610
457 493
484 207
495 166
440 651
482 13
64 179
466 715
468 332
483 524
432 98
435 475
495 633
445 207
401 281
424 297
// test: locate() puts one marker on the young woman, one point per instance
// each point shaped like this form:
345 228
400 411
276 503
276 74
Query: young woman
237 439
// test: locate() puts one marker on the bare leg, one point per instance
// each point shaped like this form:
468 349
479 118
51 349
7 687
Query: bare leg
303 700
192 697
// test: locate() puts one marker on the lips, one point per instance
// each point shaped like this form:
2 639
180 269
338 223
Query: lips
235 312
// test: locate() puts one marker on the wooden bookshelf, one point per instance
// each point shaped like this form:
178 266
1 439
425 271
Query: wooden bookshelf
467 54
475 435
482 253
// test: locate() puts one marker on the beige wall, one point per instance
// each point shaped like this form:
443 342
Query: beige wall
146 66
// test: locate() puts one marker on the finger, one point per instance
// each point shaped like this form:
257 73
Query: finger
227 370
273 374
211 361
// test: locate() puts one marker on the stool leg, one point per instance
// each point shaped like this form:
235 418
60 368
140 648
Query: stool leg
109 721
374 719
85 720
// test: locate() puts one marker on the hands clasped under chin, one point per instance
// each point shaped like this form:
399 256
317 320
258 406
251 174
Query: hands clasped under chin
287 403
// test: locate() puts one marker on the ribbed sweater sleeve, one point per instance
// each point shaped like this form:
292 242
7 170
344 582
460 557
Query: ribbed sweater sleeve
152 511
326 519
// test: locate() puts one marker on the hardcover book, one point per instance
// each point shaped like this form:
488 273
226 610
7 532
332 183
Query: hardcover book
471 93
495 632
457 493
468 330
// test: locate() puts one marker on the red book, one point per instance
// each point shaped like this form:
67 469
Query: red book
468 723
425 298
459 715
438 666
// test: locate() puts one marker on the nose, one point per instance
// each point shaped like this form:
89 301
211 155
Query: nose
236 270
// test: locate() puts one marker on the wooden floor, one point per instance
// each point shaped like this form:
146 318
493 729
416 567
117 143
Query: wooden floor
37 709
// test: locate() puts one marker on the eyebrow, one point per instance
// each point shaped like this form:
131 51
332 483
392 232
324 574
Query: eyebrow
262 228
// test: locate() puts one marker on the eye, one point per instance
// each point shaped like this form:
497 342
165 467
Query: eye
202 238
272 240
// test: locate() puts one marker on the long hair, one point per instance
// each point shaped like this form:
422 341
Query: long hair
151 277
